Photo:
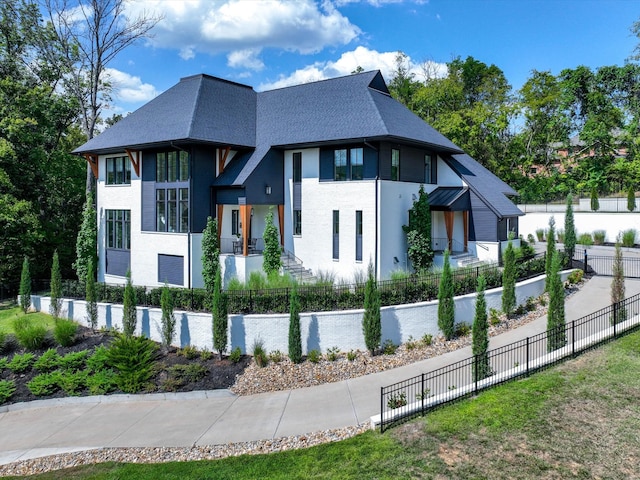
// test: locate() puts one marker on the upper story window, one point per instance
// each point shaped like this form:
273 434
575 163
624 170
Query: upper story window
297 167
172 166
172 191
118 229
348 164
118 171
429 173
395 164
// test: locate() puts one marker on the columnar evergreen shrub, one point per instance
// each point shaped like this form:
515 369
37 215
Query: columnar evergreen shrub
25 286
219 316
168 321
446 305
419 233
272 251
210 254
295 340
556 333
595 203
631 198
551 248
56 287
509 281
87 242
569 229
91 298
617 285
371 320
480 334
129 313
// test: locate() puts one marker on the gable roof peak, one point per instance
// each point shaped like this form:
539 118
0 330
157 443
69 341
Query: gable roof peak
205 76
372 79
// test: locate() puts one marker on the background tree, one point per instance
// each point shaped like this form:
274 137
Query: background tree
220 321
446 305
556 334
25 286
168 320
87 242
631 198
569 230
371 320
551 248
595 203
295 340
509 281
419 233
56 287
210 254
129 312
272 251
91 297
480 334
617 284
90 35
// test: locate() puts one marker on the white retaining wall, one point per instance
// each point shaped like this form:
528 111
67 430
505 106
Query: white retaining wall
319 330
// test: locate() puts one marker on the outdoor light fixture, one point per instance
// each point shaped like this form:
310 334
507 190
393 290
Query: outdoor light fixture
395 260
267 190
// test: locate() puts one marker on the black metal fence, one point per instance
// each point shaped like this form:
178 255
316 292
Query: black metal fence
416 396
603 265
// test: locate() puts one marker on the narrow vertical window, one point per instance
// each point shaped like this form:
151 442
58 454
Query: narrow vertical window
297 222
161 214
172 210
340 165
184 167
356 163
235 222
297 167
395 164
161 167
358 235
427 169
336 234
183 210
172 167
111 171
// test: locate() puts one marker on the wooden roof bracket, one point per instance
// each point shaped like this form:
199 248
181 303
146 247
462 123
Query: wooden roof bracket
223 153
135 162
92 158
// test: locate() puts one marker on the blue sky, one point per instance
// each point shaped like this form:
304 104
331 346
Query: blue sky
273 43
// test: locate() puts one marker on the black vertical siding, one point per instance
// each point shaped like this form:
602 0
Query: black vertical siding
203 172
171 269
483 222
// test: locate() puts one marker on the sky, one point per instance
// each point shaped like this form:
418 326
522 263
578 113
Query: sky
269 44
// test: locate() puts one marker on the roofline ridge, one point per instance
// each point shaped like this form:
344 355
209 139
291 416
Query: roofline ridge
368 72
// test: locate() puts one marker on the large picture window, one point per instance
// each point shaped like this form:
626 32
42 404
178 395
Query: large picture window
118 171
348 164
118 229
172 166
172 191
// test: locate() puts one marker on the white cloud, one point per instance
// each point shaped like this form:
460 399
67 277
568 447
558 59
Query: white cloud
241 26
379 3
349 62
128 88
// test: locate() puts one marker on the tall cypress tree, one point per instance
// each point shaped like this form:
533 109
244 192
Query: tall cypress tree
168 321
419 233
220 321
551 248
480 334
509 281
272 251
295 340
569 230
56 287
617 285
371 320
129 313
631 198
446 306
556 332
91 297
25 286
595 203
210 254
87 241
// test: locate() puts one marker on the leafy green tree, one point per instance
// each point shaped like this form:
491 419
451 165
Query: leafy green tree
595 203
419 233
480 334
87 242
556 332
569 229
210 254
56 287
617 284
402 85
295 340
272 251
509 281
129 312
220 320
631 198
446 305
25 286
371 320
91 296
551 248
168 320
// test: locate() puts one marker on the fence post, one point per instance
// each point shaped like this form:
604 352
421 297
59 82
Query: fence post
615 318
424 393
527 356
475 374
584 268
573 338
381 409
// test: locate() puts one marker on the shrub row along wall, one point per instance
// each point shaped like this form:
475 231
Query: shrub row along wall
319 330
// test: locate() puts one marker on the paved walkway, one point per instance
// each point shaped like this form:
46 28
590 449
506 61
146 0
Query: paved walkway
47 427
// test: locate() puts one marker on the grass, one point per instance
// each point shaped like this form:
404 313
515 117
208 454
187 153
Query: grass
8 315
578 420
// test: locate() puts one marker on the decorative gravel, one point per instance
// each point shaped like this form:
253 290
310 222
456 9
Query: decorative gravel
283 375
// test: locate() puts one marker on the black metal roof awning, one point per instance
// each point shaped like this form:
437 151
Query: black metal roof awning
451 199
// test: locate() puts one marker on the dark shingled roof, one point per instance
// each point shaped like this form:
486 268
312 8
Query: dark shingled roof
200 108
486 185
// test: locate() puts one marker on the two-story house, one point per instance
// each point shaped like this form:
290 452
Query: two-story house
339 162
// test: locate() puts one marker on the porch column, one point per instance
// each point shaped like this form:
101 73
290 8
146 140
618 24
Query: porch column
281 223
465 223
448 223
219 222
244 218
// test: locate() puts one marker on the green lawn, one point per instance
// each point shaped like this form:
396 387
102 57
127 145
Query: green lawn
578 420
9 313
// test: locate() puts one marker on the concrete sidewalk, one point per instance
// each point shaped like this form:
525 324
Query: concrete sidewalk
47 427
